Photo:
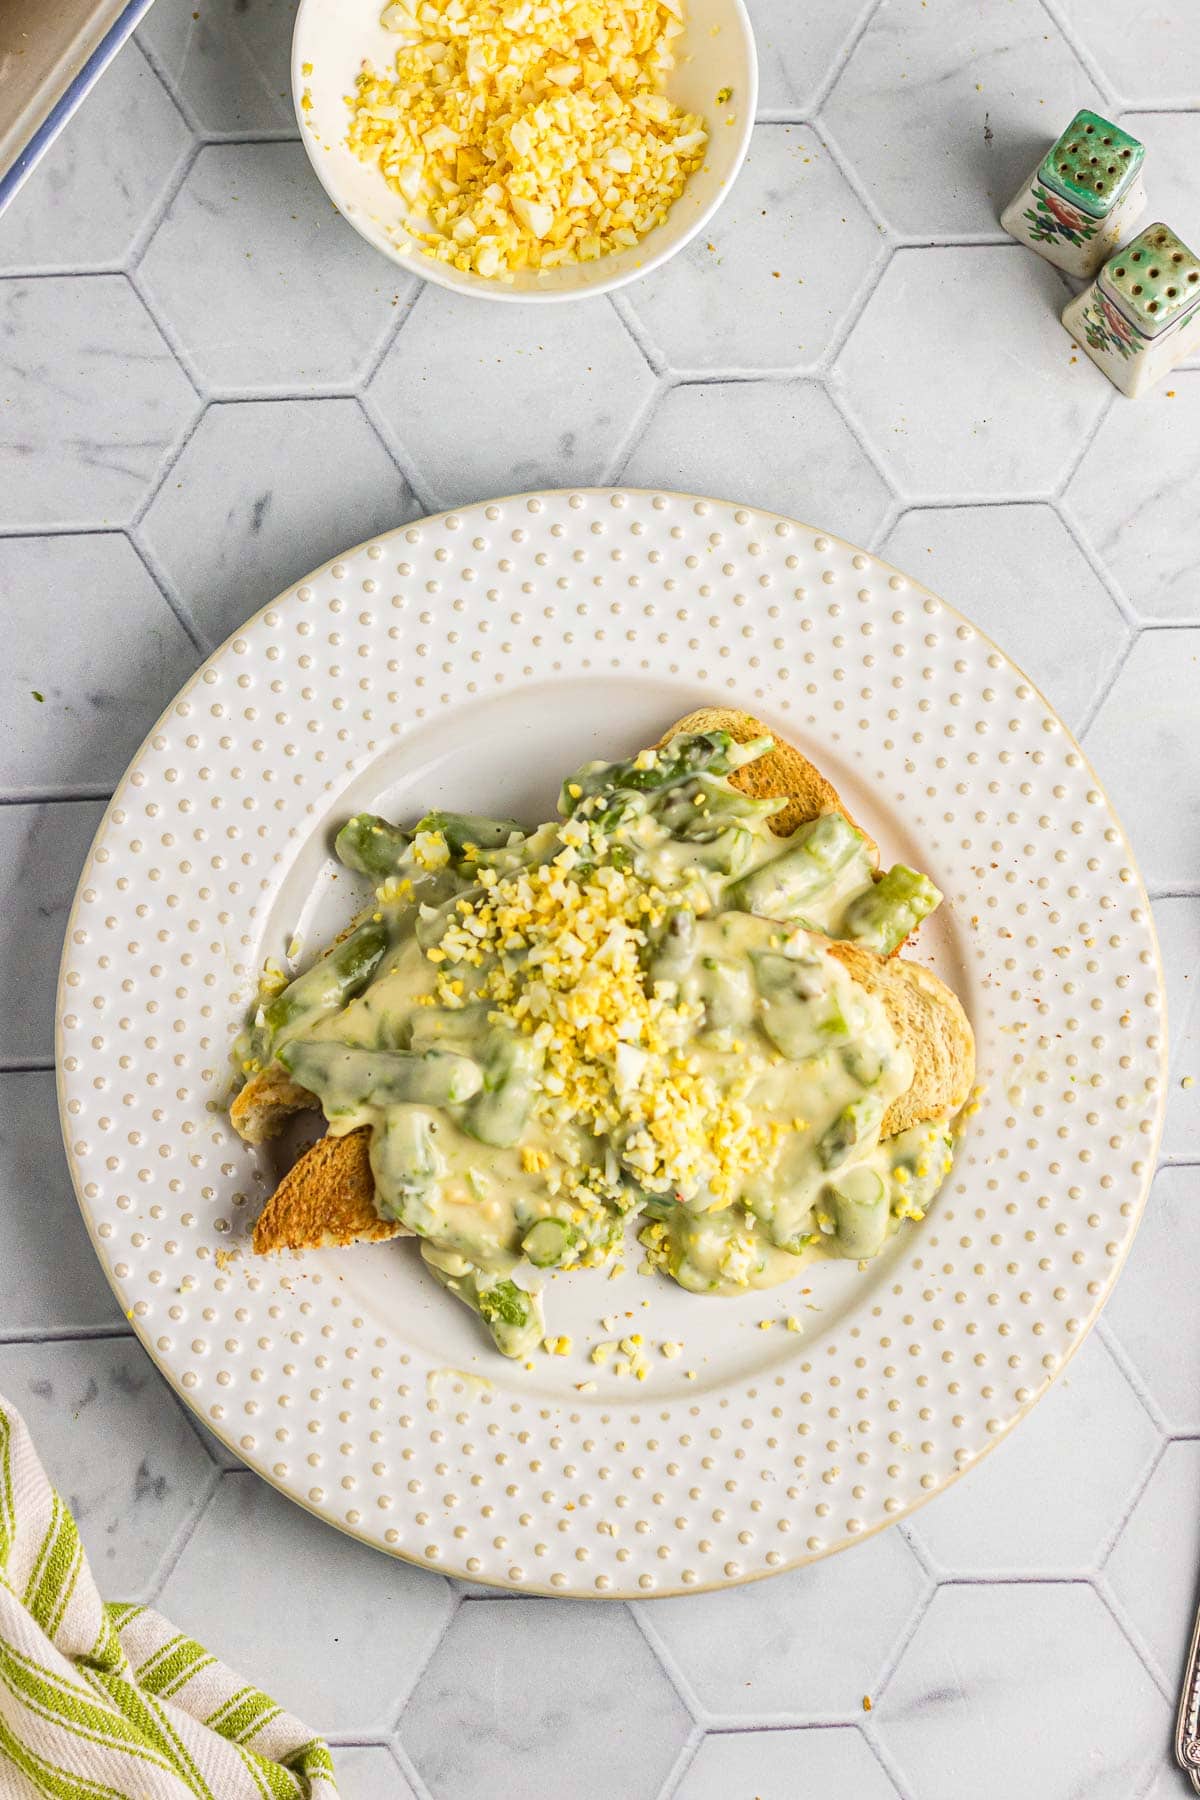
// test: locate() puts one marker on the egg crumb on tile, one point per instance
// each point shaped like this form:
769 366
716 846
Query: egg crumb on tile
525 134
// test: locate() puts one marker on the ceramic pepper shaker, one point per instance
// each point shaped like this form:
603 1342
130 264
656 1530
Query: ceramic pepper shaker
1084 196
1141 315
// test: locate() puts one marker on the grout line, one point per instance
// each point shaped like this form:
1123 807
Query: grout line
861 437
405 303
422 1663
22 1065
170 598
640 1614
1107 681
632 321
1105 688
632 436
174 1552
827 138
408 1767
149 227
1081 538
881 261
1137 1644
840 61
1082 56
1132 1376
165 326
688 1752
909 1627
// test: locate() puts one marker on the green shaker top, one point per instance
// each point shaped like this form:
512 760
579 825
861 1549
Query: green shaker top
1155 280
1092 163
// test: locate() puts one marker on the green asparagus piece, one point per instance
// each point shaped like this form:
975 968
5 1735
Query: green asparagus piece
548 1243
691 753
672 956
513 1317
461 830
859 1200
406 1164
853 1125
346 1078
329 985
370 846
882 917
816 852
700 808
511 1067
801 1011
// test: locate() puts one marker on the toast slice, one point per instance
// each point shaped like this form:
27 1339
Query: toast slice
784 770
328 1197
928 1018
326 1200
267 1101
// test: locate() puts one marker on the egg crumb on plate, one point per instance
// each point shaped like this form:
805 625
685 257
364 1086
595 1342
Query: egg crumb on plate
524 134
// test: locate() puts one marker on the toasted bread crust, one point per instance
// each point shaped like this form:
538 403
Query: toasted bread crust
267 1101
928 1018
326 1199
783 770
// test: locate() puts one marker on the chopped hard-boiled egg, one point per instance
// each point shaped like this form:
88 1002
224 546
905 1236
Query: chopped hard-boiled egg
528 133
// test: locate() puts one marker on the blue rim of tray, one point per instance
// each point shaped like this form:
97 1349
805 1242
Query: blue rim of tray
12 177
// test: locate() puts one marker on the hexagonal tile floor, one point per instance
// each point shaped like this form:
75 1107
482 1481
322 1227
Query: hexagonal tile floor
237 388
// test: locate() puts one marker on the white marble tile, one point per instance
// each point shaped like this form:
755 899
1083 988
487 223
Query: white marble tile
779 445
1151 57
793 64
116 1445
370 1772
1143 743
91 401
291 483
227 60
1137 495
302 300
785 1765
42 850
806 1645
1170 1783
101 179
943 111
1019 575
358 1624
1155 1568
769 281
50 1279
85 628
1016 1514
559 387
960 372
1028 1689
1178 924
1152 1313
564 1697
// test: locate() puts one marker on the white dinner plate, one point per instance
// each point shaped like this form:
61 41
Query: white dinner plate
469 661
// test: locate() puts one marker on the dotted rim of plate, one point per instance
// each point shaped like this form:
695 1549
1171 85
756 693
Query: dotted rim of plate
625 1497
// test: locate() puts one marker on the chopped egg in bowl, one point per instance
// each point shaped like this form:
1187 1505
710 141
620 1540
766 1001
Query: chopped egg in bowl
525 149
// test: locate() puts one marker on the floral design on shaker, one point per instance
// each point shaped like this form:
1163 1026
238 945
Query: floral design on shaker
1052 219
1107 328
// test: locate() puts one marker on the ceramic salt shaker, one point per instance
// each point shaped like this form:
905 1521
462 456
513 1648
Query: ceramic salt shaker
1085 195
1141 315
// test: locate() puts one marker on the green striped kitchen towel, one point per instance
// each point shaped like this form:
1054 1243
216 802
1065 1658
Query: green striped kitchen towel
110 1702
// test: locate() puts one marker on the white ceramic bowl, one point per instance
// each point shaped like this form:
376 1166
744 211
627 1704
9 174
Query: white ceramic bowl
333 36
